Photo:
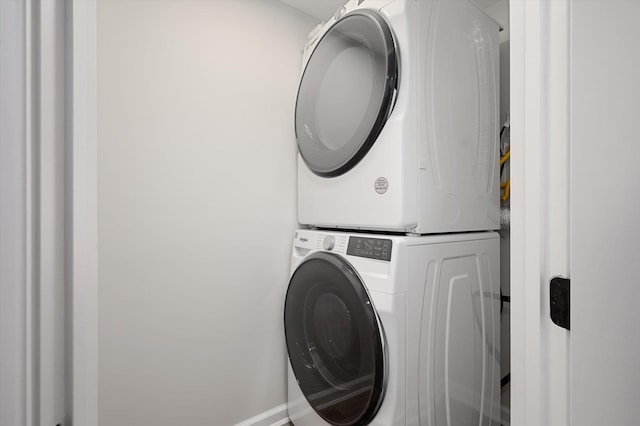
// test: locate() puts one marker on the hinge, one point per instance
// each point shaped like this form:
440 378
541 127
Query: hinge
560 301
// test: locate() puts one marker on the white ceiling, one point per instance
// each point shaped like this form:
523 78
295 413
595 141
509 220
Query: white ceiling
324 9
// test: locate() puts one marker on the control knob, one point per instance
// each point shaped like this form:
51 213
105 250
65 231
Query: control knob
329 242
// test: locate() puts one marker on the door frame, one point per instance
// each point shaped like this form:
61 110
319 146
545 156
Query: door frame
83 207
16 218
34 306
540 88
539 72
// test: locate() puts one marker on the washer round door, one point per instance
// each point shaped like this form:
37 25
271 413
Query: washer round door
335 341
346 93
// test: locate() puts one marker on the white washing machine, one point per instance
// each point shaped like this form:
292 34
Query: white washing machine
393 330
397 119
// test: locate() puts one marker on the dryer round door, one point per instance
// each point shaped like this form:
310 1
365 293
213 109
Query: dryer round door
346 93
335 341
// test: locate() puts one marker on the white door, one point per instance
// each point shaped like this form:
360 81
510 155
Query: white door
346 93
605 213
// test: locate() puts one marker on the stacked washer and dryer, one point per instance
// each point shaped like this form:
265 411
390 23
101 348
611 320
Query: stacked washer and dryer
392 312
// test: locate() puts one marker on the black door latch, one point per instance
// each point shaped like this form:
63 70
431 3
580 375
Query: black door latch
560 301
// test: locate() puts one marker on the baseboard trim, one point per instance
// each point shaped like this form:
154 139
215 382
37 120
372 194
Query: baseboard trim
277 416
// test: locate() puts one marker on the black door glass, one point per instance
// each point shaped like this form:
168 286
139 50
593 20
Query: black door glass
334 341
346 93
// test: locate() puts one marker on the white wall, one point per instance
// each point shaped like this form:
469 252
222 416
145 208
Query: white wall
196 207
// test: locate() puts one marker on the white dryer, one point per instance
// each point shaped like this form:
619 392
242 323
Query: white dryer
393 330
396 119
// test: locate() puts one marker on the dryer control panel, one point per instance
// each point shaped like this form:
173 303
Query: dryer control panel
372 248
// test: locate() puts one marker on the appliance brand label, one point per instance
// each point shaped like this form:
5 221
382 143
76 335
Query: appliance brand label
301 239
381 185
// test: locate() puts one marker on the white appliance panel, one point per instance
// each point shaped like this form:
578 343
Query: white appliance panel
437 298
437 154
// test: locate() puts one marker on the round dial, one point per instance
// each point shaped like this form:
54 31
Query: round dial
329 242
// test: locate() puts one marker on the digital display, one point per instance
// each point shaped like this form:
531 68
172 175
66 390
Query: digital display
372 248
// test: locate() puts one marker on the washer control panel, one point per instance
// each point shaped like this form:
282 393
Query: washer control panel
372 248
